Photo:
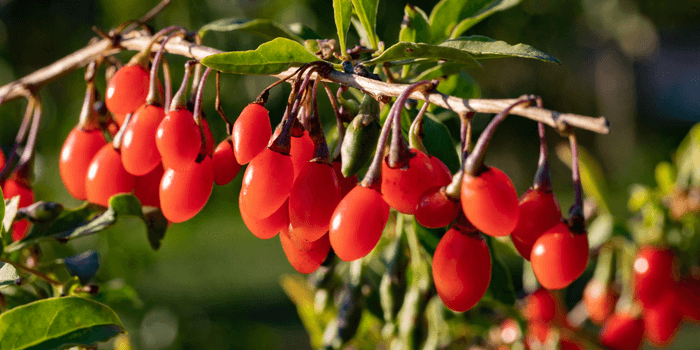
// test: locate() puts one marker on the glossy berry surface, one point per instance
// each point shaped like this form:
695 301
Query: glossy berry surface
600 300
402 187
270 226
661 321
357 223
490 202
15 187
538 212
226 166
183 193
461 269
77 153
146 187
312 201
266 183
302 151
139 151
655 270
622 332
251 132
305 257
127 90
208 136
442 172
106 176
559 257
346 183
435 209
178 139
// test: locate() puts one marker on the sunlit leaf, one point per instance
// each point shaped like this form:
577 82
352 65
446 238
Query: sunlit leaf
342 11
301 295
406 51
415 27
366 11
447 13
56 323
8 275
600 230
481 47
269 58
491 8
264 27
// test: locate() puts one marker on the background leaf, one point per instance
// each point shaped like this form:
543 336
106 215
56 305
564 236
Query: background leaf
57 322
415 27
501 286
366 11
10 206
483 13
447 13
342 11
269 58
482 47
156 225
8 275
439 143
264 27
405 51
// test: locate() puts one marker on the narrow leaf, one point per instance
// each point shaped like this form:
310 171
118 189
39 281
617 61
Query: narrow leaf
269 58
406 51
10 206
342 10
501 286
488 10
56 323
592 178
447 13
482 47
8 275
264 27
415 27
367 13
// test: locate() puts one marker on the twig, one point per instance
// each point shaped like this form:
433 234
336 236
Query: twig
376 89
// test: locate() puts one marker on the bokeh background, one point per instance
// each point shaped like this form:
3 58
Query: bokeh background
213 285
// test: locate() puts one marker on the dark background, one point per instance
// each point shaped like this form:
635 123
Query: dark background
212 285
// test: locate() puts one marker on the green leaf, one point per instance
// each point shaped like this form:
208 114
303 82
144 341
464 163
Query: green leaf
8 275
665 175
406 51
439 143
446 14
460 85
488 10
342 10
688 156
269 58
481 47
56 323
264 27
116 291
415 27
592 178
156 225
501 286
301 295
600 230
439 71
10 210
367 13
304 32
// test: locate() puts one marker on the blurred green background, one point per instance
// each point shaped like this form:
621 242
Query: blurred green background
213 285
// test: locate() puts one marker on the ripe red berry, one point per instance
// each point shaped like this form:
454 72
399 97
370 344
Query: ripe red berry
402 187
600 300
270 226
688 303
127 90
208 136
461 269
251 132
622 332
346 184
435 209
357 223
77 152
302 151
312 201
146 187
178 139
139 151
537 332
16 187
655 270
183 193
540 306
490 202
570 344
559 257
539 211
442 172
305 257
266 183
106 176
226 166
662 320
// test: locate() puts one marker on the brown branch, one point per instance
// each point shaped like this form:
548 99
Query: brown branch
374 88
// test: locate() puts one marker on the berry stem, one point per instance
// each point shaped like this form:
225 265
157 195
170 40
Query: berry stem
168 84
198 101
577 221
465 133
217 104
88 117
21 133
315 129
142 58
117 142
338 120
154 97
475 162
281 142
416 134
28 152
399 152
180 100
373 177
543 180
